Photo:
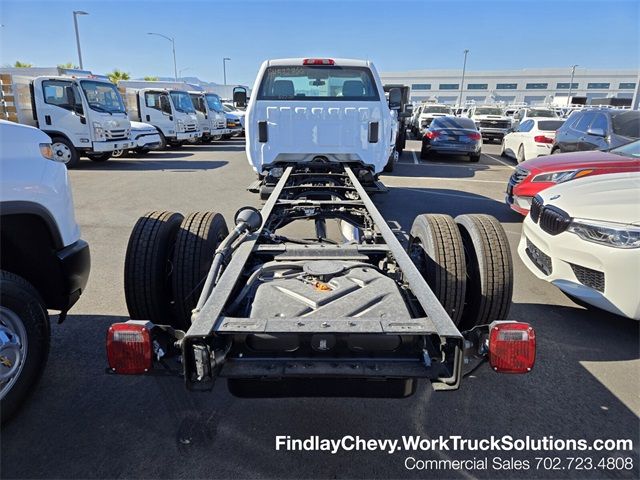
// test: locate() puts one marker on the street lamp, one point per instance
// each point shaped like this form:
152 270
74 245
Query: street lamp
75 24
173 46
224 68
573 72
464 67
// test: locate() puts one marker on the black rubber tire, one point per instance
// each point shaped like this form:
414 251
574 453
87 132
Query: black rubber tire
436 248
520 156
99 157
555 151
148 267
21 298
198 237
75 156
391 163
141 151
163 140
489 270
424 152
474 158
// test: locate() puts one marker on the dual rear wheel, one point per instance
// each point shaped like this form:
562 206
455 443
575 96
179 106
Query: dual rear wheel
467 264
167 260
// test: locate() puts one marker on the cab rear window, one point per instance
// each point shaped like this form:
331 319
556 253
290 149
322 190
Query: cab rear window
325 83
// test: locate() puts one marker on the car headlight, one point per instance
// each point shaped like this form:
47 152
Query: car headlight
46 151
180 125
611 234
98 131
559 177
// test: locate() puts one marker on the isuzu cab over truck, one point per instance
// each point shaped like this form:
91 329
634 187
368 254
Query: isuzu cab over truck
314 295
165 105
213 123
82 113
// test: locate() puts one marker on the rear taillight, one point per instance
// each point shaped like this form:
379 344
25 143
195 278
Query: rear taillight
512 347
431 134
474 136
542 139
318 61
129 349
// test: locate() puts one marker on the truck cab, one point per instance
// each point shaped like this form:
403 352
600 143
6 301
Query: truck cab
212 122
334 110
84 114
491 120
170 110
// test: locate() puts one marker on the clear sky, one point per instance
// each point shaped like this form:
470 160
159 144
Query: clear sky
396 35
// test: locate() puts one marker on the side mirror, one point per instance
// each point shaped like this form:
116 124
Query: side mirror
240 97
596 132
165 105
395 99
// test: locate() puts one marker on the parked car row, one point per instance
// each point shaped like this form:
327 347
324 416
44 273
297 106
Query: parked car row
87 115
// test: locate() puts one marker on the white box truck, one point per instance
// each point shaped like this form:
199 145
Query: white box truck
165 105
84 114
210 113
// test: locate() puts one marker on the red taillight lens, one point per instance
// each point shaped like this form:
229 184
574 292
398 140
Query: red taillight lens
474 136
512 347
129 349
318 61
542 139
431 134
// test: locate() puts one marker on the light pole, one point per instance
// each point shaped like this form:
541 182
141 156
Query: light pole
75 24
224 68
573 72
173 47
464 67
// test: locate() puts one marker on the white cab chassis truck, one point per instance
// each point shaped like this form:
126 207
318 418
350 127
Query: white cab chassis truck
165 105
342 309
210 112
336 110
82 113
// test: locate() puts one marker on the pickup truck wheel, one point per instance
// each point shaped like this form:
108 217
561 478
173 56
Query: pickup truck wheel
141 150
424 152
391 163
489 270
520 158
24 341
99 157
198 237
148 267
65 152
436 248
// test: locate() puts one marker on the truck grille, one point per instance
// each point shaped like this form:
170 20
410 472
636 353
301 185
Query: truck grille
553 220
116 134
495 123
222 123
518 176
191 127
539 259
590 278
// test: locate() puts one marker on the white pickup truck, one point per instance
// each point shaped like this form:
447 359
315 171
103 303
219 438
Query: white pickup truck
44 264
331 110
492 121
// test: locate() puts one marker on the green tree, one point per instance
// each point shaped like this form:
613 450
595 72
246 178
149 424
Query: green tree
20 64
69 65
150 78
118 75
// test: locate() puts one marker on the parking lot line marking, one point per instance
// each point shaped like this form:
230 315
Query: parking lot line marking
464 180
501 161
485 168
415 159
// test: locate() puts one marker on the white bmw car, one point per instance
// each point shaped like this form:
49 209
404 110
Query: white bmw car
533 138
584 237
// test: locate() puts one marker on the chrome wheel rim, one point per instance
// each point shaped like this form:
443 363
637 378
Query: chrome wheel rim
13 349
61 152
117 153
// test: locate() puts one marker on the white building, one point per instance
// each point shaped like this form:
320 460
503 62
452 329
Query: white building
530 85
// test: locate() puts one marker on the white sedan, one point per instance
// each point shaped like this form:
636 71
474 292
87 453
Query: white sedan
533 138
583 236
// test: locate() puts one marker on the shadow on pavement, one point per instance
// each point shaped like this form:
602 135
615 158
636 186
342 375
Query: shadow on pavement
163 161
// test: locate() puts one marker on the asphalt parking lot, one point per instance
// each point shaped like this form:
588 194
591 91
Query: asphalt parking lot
84 423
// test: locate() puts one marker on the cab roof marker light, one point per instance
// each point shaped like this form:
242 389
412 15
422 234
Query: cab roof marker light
318 61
